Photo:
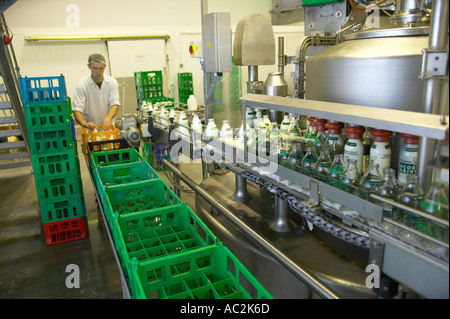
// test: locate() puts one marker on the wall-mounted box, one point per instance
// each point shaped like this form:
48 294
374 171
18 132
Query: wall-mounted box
216 29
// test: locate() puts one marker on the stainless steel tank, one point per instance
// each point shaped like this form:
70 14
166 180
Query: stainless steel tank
275 85
378 69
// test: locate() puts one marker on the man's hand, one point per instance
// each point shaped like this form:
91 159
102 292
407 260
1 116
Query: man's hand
106 125
90 125
108 118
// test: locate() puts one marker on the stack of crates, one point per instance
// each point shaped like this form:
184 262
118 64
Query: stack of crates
185 87
164 248
149 87
54 156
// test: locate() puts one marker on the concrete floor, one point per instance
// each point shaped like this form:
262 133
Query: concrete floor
31 269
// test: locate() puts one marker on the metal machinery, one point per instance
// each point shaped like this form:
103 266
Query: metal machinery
302 237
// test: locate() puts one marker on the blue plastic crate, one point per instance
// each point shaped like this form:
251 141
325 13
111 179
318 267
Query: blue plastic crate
43 89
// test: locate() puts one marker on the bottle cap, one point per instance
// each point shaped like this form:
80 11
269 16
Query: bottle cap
380 135
355 132
320 124
410 139
334 127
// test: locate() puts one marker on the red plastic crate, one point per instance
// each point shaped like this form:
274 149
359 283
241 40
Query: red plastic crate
65 230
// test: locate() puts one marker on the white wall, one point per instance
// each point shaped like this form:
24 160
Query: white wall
180 19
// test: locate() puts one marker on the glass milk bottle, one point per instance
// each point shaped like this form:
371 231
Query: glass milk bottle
336 170
380 151
285 124
350 177
310 133
321 138
408 157
370 181
354 148
295 156
410 195
335 138
309 161
435 203
274 142
323 164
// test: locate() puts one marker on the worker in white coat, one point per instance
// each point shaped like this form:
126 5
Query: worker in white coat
96 97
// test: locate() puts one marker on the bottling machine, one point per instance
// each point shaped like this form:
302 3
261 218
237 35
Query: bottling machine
378 65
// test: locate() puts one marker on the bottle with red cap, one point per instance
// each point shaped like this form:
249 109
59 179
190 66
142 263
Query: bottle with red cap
335 138
354 148
408 157
380 151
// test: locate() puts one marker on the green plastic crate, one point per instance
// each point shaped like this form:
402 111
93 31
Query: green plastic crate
125 173
58 187
211 272
51 140
185 87
145 78
122 174
147 153
55 164
48 114
137 197
159 233
62 209
115 157
149 85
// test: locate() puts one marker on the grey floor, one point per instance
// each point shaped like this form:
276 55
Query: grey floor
31 269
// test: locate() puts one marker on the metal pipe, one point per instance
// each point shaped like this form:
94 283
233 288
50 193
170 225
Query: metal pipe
98 37
252 73
281 56
309 279
438 40
252 77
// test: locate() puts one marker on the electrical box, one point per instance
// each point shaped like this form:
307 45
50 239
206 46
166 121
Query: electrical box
216 40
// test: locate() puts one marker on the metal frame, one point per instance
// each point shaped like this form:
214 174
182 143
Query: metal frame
426 125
